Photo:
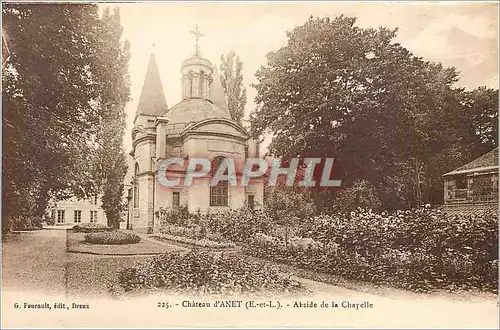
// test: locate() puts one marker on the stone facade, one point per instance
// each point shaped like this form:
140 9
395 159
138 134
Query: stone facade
75 211
197 127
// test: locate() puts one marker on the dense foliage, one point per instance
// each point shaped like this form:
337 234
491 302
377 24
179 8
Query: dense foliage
90 228
114 237
361 194
421 250
114 93
63 84
48 117
385 115
237 225
203 273
178 216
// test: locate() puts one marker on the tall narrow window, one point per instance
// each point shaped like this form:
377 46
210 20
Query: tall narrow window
60 216
190 84
93 216
136 187
207 87
176 199
218 193
77 216
201 84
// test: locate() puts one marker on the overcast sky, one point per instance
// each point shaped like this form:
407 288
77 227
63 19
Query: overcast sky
460 34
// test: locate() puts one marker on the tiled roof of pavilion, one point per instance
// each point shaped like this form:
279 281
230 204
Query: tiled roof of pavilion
488 161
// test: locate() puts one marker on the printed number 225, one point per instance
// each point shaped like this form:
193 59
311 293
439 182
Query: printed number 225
163 304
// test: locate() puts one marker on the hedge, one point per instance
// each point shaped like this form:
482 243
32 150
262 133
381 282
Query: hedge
116 237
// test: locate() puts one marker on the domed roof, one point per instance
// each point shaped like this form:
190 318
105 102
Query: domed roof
196 60
195 110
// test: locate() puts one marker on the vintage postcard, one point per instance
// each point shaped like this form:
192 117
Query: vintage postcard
250 164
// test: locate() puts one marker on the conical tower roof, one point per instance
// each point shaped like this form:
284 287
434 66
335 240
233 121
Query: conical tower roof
152 101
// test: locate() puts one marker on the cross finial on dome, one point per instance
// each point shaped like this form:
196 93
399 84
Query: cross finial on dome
197 35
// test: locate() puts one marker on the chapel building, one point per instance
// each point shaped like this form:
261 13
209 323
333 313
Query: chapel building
199 126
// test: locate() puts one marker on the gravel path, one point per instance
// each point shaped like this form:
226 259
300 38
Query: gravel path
34 261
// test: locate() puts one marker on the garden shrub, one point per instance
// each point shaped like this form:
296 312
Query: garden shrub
178 216
362 194
237 225
287 206
421 249
49 220
91 228
30 223
116 237
204 273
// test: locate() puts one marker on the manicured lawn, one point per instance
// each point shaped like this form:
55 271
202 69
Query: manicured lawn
147 246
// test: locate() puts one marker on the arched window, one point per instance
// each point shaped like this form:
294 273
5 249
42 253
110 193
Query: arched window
219 192
201 84
136 186
190 79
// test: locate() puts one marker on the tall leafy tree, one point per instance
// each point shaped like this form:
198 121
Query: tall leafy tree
49 113
481 108
114 93
232 82
64 90
385 115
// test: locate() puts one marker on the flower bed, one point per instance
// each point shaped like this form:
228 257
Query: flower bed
75 243
91 228
204 242
421 250
237 225
193 232
204 273
116 237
